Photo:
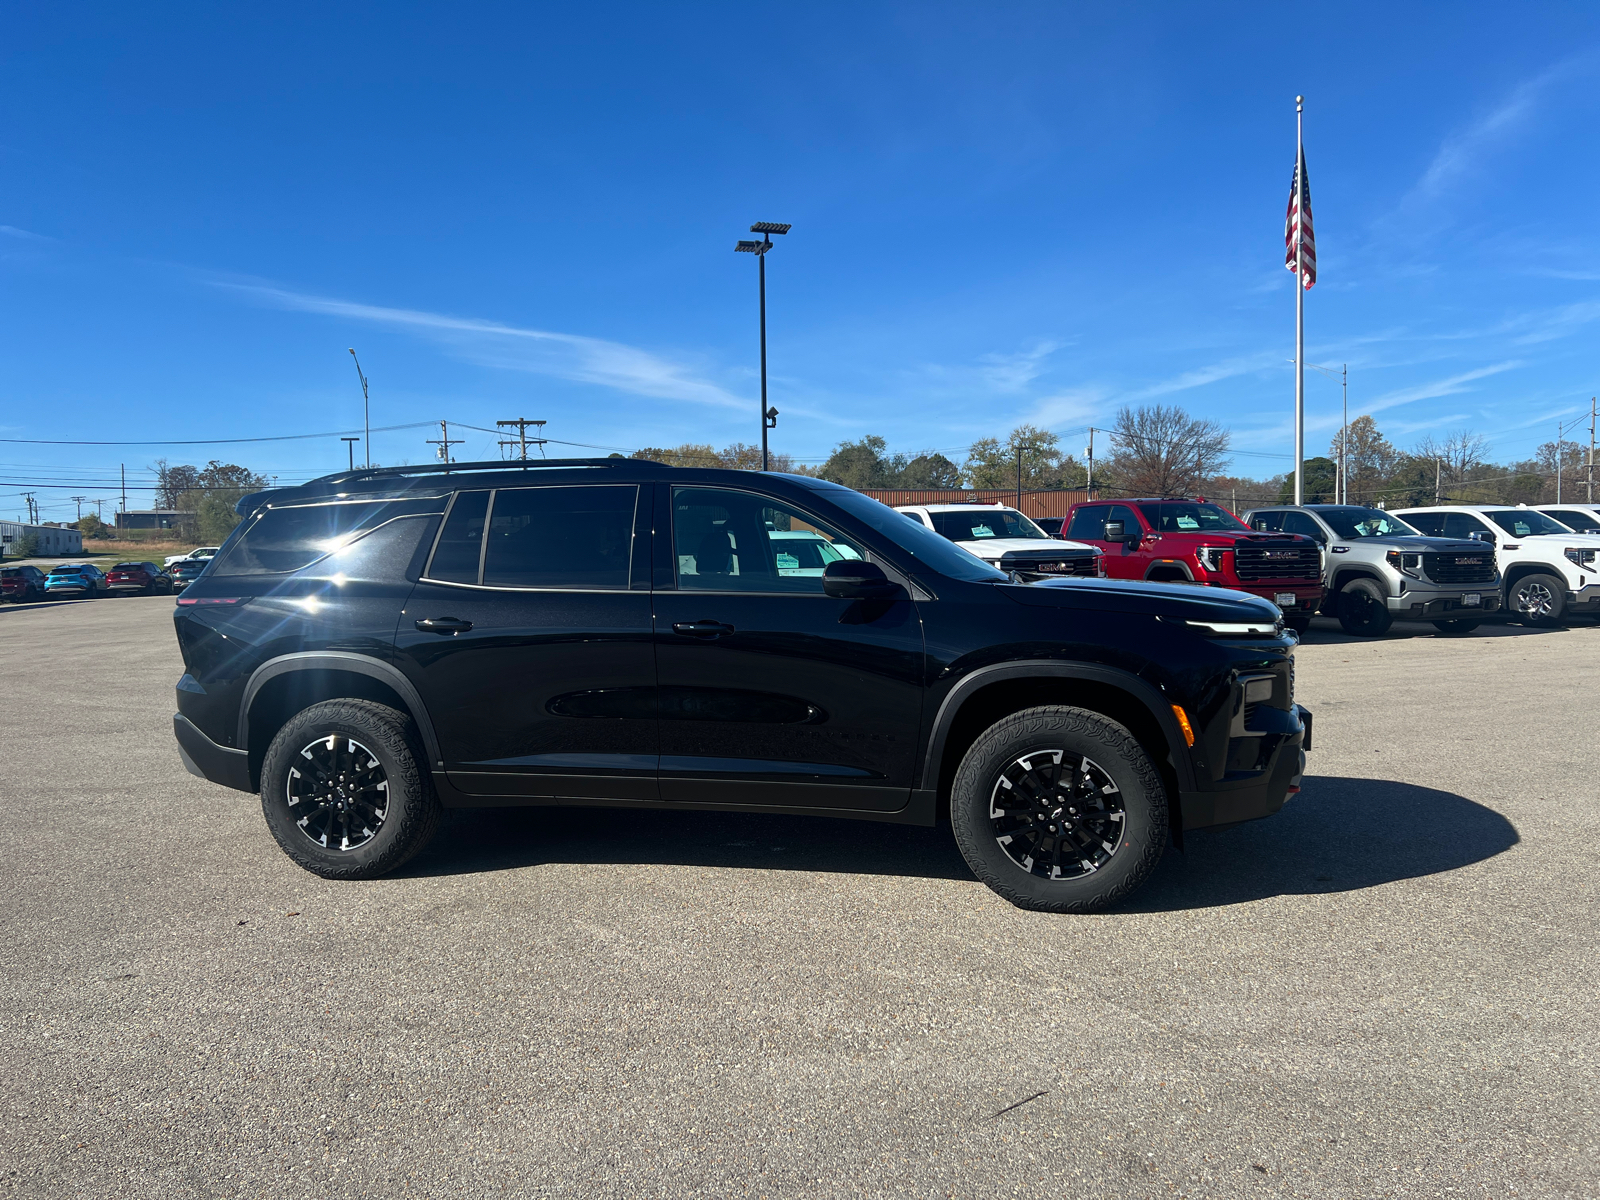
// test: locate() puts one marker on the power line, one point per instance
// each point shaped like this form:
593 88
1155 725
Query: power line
288 437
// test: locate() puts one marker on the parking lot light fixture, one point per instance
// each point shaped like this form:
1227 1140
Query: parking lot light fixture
744 246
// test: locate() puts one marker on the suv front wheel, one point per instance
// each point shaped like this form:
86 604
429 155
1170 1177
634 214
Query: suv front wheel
1059 809
343 790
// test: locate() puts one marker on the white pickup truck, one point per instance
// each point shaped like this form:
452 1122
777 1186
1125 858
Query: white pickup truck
1006 539
202 552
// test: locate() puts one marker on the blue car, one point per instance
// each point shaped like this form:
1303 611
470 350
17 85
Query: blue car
72 580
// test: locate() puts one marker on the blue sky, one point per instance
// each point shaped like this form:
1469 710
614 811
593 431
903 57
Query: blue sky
1002 213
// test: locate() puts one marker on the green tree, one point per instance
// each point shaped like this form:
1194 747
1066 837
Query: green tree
1321 476
929 470
993 464
1372 459
863 464
91 526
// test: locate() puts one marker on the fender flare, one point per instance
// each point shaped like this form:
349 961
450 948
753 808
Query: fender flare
1346 575
1152 698
339 660
1177 562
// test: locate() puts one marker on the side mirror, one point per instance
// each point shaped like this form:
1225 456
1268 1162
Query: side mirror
1481 535
1115 531
856 579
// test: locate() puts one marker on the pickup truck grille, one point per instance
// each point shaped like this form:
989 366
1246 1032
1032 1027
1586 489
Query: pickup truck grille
1459 568
1052 564
1277 562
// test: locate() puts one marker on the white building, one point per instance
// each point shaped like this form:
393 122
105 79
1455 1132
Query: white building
52 539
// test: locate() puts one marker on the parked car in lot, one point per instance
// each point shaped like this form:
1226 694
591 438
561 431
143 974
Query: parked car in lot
1007 540
1580 518
21 584
373 646
186 571
143 578
202 553
1548 572
1377 568
74 580
1193 541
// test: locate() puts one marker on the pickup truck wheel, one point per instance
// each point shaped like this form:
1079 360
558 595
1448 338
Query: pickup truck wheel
1362 609
1456 628
1298 624
1059 809
344 792
1539 599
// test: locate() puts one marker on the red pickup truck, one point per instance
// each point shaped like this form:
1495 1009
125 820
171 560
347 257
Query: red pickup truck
1193 541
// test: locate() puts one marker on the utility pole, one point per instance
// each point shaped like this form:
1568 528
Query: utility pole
1558 462
124 507
78 500
1089 454
1591 449
33 509
366 407
522 439
350 445
1438 473
444 441
98 511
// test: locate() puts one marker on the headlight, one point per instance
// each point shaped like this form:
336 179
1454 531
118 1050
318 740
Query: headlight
1236 629
1580 557
1211 557
1406 564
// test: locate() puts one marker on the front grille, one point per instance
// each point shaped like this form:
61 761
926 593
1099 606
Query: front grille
1459 568
1078 564
1259 562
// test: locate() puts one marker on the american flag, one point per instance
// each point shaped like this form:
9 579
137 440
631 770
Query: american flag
1292 220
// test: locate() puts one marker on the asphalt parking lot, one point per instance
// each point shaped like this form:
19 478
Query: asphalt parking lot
1391 988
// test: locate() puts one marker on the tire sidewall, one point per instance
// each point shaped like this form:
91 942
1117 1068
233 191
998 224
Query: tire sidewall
1557 590
1371 619
395 753
1077 732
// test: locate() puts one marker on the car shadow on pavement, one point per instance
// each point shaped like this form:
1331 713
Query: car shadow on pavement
499 839
1337 835
1326 632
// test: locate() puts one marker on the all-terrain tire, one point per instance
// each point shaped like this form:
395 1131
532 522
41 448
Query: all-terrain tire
1457 627
1363 609
410 816
1077 734
1538 599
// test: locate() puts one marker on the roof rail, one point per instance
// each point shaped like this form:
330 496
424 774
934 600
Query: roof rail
539 464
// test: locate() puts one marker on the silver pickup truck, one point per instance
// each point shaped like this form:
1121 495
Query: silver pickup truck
1377 569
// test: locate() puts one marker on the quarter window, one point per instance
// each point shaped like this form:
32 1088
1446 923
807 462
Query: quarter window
560 537
459 555
731 541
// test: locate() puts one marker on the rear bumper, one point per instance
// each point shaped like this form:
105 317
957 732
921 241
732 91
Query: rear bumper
1231 801
203 757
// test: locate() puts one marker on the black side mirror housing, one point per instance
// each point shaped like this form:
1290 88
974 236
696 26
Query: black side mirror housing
856 579
1115 531
1481 535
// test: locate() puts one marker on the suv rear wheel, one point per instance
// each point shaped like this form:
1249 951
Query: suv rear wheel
1540 599
1363 610
1059 809
343 790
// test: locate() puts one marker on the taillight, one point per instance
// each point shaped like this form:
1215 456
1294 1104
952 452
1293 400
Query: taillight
193 600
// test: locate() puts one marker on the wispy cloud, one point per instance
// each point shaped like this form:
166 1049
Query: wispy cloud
540 351
1438 387
1201 376
24 234
1013 372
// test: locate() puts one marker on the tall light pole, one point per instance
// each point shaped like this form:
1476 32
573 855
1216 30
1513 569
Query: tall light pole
350 445
769 416
1342 491
366 406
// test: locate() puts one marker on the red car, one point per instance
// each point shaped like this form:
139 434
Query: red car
1193 541
143 578
21 584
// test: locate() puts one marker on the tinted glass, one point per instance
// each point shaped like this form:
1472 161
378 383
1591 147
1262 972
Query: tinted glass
728 541
460 550
983 524
1524 522
560 537
1462 525
1299 522
129 567
1354 522
280 540
1088 524
1189 518
1267 522
915 538
1573 519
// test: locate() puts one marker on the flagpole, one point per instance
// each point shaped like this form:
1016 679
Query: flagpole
1299 305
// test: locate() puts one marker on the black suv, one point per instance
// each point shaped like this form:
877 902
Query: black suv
372 646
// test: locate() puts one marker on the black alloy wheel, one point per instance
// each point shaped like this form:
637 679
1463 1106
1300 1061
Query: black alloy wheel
1363 610
1457 627
1298 624
1059 809
344 790
1539 599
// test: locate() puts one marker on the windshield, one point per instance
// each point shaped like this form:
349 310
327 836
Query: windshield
981 524
914 537
1521 522
1353 522
1191 518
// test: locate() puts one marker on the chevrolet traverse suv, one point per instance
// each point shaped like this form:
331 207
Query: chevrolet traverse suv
371 647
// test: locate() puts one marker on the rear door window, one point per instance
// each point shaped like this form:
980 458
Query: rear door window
561 537
458 557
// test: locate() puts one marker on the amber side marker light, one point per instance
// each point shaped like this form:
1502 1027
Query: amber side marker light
1183 724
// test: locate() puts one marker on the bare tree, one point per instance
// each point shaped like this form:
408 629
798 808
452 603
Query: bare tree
1162 451
1372 459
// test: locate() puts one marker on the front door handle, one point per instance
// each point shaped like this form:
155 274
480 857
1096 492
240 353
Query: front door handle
701 629
443 625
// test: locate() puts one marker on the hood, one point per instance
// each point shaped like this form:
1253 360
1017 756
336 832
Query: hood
1415 544
1156 599
996 547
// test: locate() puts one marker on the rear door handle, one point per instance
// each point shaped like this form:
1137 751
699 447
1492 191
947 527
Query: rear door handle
701 629
443 625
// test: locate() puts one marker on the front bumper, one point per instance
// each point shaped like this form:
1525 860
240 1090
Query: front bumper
1307 596
1428 604
203 757
1261 793
1585 599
